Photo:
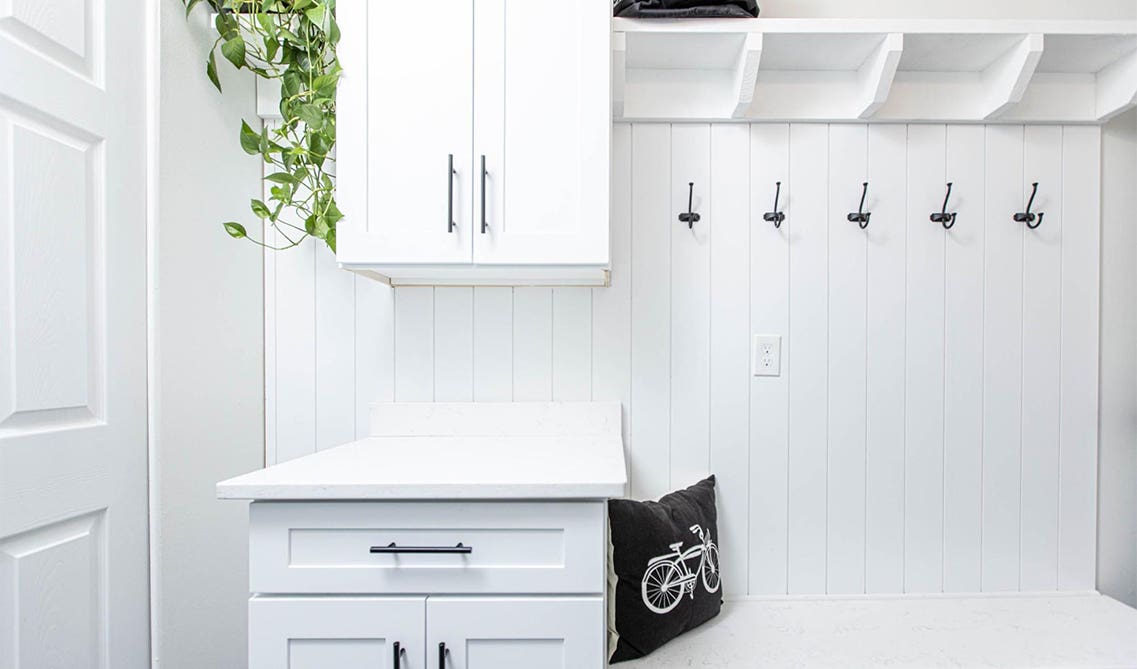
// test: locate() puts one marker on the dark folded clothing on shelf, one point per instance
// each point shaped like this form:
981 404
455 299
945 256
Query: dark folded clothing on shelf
685 9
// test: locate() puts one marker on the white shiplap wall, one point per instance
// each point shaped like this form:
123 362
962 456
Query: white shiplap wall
935 425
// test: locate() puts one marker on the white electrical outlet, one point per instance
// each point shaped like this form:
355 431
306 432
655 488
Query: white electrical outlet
767 357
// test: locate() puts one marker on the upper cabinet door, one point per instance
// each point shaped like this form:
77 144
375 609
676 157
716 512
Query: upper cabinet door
399 152
542 119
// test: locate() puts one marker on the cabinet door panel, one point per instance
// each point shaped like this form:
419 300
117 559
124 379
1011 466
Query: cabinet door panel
343 632
490 633
542 119
419 105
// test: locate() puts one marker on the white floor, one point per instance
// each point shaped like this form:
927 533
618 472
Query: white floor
1084 630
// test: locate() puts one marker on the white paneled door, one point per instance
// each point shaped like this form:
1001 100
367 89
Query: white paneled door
73 519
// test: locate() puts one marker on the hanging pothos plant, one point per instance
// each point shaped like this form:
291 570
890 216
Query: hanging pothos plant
292 42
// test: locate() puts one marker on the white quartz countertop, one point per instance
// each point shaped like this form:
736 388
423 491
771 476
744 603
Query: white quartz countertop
445 468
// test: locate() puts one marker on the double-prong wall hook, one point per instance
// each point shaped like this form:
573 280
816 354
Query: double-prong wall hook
776 217
1028 217
942 216
860 216
690 218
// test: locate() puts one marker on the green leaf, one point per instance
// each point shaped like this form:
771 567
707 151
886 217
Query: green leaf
311 114
330 239
281 178
316 15
211 72
234 51
190 5
250 139
260 209
226 25
235 230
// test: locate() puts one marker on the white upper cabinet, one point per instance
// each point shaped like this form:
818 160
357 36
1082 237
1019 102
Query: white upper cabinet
474 147
419 97
539 72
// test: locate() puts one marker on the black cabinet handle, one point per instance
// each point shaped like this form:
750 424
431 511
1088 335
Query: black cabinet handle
395 548
400 652
442 656
450 224
485 224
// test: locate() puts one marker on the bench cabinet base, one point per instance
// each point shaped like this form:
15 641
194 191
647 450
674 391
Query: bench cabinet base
394 615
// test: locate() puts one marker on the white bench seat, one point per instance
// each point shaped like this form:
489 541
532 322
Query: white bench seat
1076 630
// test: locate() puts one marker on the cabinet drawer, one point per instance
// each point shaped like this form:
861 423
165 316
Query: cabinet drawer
412 547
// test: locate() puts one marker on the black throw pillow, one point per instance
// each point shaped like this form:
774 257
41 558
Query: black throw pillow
685 9
663 570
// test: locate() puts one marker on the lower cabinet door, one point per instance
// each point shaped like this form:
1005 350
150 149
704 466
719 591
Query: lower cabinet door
337 633
509 633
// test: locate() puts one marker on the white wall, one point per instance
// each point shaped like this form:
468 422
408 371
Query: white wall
1117 543
208 368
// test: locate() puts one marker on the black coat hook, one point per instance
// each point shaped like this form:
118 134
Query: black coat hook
690 218
1026 216
776 217
860 216
943 217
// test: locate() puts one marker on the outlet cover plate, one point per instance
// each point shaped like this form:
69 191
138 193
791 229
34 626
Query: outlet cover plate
767 355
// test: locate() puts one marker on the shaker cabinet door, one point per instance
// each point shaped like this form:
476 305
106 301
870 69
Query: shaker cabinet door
492 633
343 632
409 152
542 120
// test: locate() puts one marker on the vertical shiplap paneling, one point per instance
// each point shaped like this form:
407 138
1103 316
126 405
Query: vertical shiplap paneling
1041 346
924 399
335 356
270 337
414 344
808 345
374 349
650 457
963 359
493 344
572 344
295 309
729 350
453 344
1017 340
690 305
884 399
1002 356
532 344
612 306
769 395
1078 454
845 518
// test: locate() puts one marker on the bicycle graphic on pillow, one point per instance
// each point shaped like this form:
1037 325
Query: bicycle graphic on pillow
670 576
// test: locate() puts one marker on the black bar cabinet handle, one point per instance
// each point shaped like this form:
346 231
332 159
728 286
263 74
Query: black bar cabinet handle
450 172
399 653
442 656
395 548
485 224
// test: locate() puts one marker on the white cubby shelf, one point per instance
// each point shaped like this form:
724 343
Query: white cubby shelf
835 70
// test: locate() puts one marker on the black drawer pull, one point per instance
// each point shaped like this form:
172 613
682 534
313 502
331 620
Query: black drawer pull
395 548
400 653
442 655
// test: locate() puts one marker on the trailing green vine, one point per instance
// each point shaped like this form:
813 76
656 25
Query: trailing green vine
294 43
